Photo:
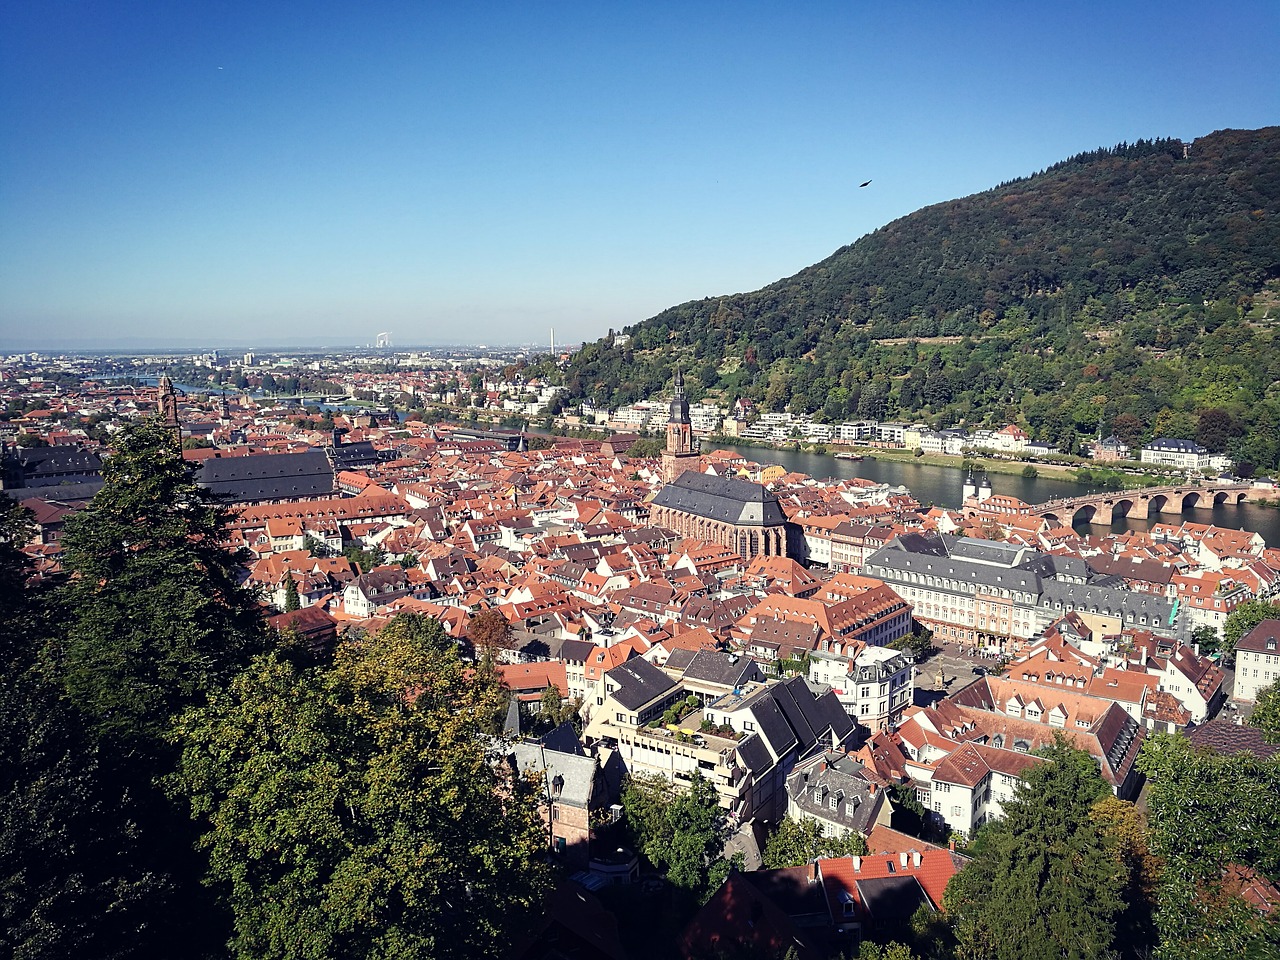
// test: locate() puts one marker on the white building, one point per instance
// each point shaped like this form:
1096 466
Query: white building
972 783
1182 454
1257 660
874 687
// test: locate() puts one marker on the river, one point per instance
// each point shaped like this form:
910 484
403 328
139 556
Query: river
942 486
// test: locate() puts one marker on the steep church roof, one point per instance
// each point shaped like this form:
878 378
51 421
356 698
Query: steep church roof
734 501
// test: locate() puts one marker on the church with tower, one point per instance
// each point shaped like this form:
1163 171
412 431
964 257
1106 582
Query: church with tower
737 514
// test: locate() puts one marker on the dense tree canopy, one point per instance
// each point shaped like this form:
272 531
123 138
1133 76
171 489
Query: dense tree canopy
1045 882
355 810
1210 816
95 860
1245 617
1266 712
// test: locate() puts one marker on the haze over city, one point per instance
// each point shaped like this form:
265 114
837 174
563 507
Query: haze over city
321 173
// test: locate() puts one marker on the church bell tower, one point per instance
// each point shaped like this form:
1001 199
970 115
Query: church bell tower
681 449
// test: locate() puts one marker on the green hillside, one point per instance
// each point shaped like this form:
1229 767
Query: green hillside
1137 285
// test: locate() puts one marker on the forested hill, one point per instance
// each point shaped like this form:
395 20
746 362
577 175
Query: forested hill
1136 283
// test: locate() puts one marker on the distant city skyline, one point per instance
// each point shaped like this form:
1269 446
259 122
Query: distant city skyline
249 175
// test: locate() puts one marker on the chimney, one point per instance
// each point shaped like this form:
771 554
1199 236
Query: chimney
873 789
915 858
951 845
814 874
822 766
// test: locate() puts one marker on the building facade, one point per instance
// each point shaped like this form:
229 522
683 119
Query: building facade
737 514
1257 660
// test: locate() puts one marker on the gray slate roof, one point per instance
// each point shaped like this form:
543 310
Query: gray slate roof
857 807
639 682
720 498
572 775
268 476
726 669
50 466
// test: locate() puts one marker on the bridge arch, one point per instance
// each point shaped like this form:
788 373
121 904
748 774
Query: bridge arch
1230 497
1084 513
1190 498
1156 504
1122 507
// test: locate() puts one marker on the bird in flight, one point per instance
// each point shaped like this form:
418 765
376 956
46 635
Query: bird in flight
867 184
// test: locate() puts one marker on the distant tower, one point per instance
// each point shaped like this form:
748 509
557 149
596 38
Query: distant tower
224 413
680 451
970 489
169 407
984 489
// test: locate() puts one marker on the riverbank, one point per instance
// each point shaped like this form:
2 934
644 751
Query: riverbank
1015 468
984 463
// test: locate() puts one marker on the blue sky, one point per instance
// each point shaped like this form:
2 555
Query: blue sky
233 172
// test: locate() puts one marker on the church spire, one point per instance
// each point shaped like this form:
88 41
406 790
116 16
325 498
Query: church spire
679 405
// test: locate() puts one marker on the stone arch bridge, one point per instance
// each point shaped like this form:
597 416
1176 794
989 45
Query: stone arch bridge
1146 504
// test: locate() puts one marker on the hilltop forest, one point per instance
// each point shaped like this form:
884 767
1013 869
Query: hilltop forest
1133 288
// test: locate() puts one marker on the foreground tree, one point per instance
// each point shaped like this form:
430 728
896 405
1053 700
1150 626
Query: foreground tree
1124 825
155 618
73 881
354 811
1212 816
95 859
1044 882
